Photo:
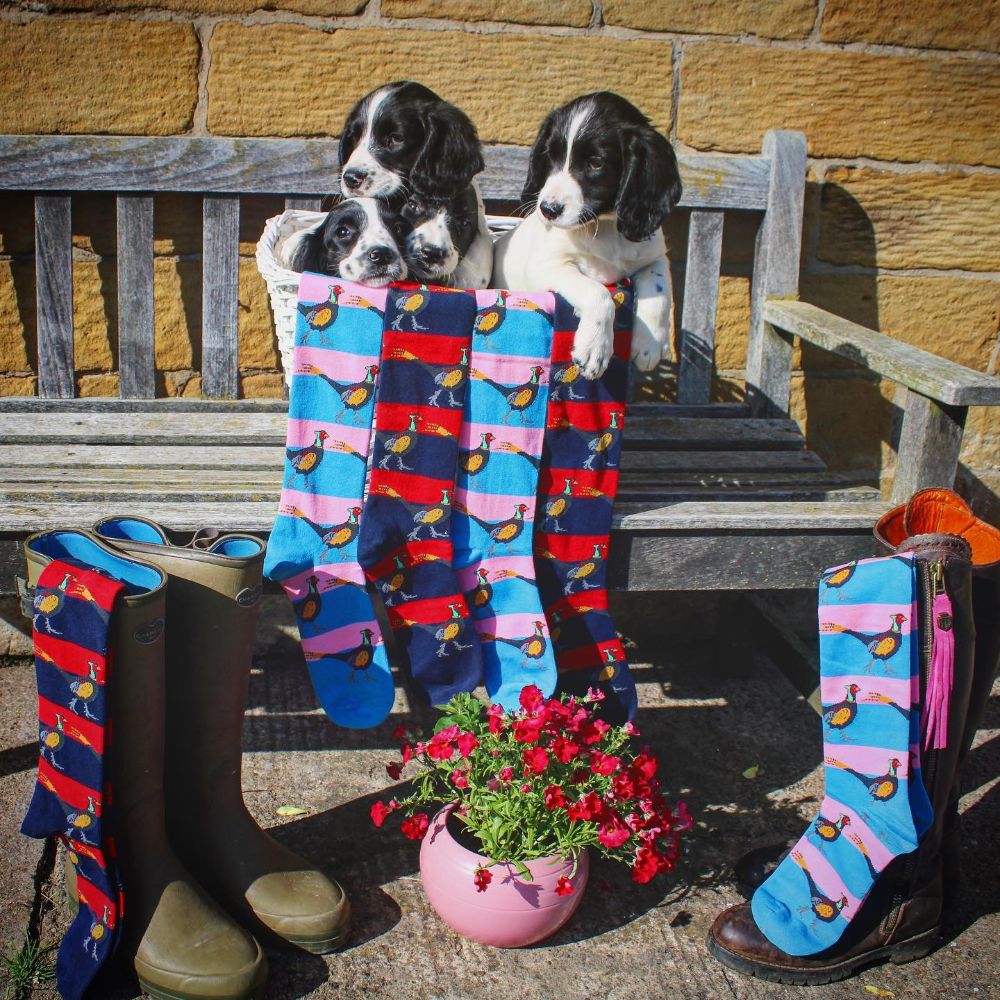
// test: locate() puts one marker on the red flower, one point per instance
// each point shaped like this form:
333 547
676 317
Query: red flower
466 743
495 714
394 770
441 746
589 807
528 730
415 826
555 798
646 765
623 787
378 812
406 752
629 728
506 774
564 887
564 749
594 694
399 733
483 878
535 760
526 787
531 698
613 834
459 779
684 819
647 864
580 775
602 763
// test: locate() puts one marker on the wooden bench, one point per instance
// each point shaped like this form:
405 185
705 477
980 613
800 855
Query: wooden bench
712 496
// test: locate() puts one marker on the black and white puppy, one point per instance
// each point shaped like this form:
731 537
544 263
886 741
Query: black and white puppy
361 239
449 243
604 180
403 141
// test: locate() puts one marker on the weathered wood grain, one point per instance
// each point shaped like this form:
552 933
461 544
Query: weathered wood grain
220 297
929 442
54 295
304 204
136 359
701 301
776 273
298 167
917 369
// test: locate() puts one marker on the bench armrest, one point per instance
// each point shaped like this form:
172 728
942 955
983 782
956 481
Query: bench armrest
930 375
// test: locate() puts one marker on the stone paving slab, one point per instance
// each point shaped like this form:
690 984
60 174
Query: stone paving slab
710 711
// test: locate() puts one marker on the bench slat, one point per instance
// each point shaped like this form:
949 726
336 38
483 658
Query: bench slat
238 429
136 357
929 374
299 167
220 297
701 300
54 295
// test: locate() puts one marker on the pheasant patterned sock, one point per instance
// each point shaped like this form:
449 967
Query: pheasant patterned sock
496 487
313 546
875 807
72 614
405 545
576 490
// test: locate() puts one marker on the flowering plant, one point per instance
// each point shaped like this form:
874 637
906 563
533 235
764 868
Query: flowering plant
550 779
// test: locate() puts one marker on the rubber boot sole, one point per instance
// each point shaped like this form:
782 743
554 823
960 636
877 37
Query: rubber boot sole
900 953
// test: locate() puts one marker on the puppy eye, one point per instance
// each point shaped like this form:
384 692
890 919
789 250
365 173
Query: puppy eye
342 232
394 141
595 163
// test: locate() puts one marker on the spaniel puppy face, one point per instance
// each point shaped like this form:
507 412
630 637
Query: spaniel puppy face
361 239
443 232
401 138
599 156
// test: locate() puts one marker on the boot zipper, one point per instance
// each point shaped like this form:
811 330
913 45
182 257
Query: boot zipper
931 576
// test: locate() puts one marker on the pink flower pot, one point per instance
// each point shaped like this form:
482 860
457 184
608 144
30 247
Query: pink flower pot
513 912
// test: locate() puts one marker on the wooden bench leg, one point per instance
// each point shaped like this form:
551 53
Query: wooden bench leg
929 443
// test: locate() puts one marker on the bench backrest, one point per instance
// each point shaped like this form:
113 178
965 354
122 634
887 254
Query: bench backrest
302 170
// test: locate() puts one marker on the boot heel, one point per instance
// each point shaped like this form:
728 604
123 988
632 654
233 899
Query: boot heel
915 947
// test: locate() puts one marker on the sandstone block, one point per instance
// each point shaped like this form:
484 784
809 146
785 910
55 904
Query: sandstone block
918 23
263 78
18 385
97 385
258 344
847 103
889 220
261 385
318 8
17 316
575 13
82 75
782 19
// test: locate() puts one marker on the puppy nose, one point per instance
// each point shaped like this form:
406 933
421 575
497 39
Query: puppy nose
432 254
381 255
353 178
551 209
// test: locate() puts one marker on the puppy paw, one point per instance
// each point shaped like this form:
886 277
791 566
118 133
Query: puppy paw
593 346
650 332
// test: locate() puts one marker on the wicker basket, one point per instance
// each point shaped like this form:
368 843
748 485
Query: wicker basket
283 284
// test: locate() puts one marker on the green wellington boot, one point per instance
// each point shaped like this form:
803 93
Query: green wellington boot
184 947
212 606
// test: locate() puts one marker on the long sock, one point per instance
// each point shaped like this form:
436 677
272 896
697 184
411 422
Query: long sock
313 546
875 807
576 490
72 613
496 490
405 545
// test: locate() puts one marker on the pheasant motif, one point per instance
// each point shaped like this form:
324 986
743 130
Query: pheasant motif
447 634
357 300
334 537
353 395
400 443
881 787
307 608
77 822
599 446
518 397
85 690
51 740
580 572
611 667
423 515
563 379
875 698
48 603
98 929
475 460
834 579
500 532
881 646
843 713
490 318
305 461
558 507
827 830
823 907
392 589
358 659
533 460
860 845
410 305
320 316
447 378
482 593
531 647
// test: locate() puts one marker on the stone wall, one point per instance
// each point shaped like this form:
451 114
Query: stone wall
899 100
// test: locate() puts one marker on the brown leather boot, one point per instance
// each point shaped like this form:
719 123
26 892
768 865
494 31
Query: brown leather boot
182 945
212 605
900 919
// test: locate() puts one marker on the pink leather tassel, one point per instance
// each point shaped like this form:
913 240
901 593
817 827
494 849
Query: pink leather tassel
941 676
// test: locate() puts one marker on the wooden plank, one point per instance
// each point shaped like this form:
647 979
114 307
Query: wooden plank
917 369
136 358
54 295
929 443
299 167
776 273
304 204
701 302
206 457
220 297
239 429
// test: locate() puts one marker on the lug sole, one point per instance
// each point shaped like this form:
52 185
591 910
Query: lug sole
324 945
900 953
256 991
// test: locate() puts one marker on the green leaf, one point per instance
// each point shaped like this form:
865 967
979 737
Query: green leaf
291 811
751 772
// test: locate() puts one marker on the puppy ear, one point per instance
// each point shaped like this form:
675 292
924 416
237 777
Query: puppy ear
451 155
538 162
350 135
305 253
651 185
